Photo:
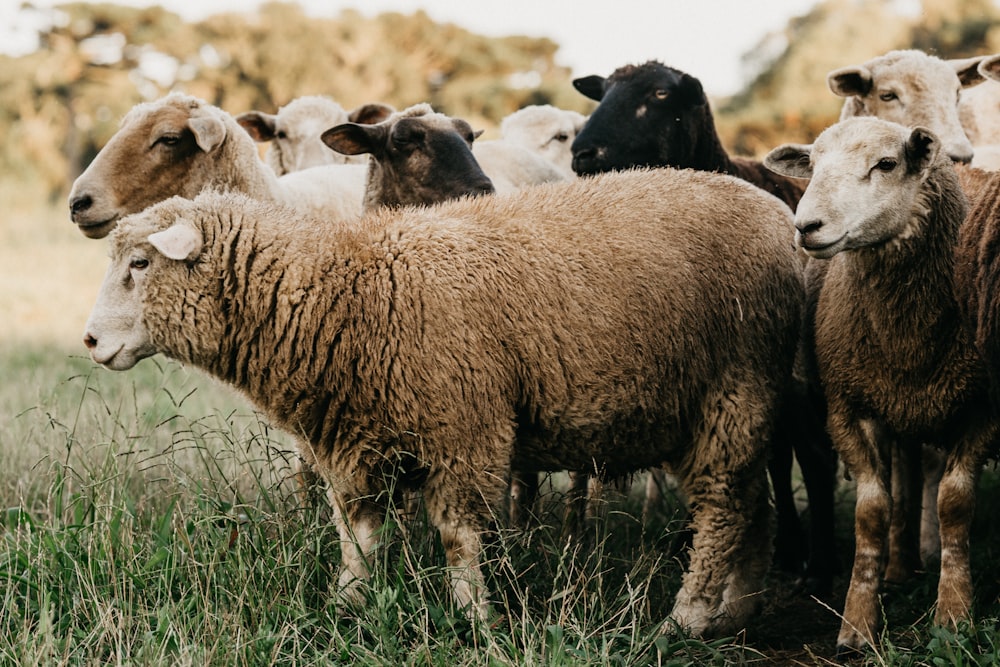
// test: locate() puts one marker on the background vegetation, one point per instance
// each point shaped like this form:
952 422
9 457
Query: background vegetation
148 517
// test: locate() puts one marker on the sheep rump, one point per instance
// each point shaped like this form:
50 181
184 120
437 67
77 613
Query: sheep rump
612 323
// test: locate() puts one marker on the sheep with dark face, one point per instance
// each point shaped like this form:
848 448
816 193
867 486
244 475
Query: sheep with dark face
655 115
439 347
898 367
652 115
418 157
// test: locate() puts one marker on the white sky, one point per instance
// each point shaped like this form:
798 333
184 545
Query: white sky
702 37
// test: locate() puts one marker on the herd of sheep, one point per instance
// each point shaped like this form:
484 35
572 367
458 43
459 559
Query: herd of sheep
426 312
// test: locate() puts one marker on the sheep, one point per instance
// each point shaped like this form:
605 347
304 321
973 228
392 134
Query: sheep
881 215
418 157
979 113
181 145
913 88
295 130
655 115
546 130
435 348
652 115
509 166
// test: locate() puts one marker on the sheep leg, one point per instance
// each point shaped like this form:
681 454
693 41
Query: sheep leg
460 509
858 445
904 527
790 553
358 522
731 517
930 532
523 493
956 504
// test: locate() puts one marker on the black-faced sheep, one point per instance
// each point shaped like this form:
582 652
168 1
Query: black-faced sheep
294 132
898 368
418 157
180 145
655 115
441 346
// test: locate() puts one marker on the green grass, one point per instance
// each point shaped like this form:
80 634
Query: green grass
150 518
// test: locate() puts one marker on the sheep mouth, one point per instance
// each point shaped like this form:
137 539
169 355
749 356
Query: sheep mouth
97 229
820 250
108 359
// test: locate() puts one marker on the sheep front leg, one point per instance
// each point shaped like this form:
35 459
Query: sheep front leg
358 522
956 503
857 444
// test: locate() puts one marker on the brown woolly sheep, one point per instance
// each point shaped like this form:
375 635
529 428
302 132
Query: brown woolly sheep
883 211
655 115
181 145
592 324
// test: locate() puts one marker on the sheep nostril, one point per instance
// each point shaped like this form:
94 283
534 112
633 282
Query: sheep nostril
81 203
89 341
808 226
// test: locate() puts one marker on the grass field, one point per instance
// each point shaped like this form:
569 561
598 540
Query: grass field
149 518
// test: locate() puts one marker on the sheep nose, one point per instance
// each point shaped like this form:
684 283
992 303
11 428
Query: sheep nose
80 204
89 341
807 226
583 160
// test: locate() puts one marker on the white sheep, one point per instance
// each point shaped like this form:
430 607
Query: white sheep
181 145
546 130
882 212
294 132
979 111
435 348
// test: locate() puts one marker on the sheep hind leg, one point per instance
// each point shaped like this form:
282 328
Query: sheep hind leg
731 518
904 527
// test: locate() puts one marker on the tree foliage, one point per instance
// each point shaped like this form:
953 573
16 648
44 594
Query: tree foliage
59 104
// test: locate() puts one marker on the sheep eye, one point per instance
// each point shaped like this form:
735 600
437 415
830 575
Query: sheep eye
661 94
888 96
281 134
562 137
138 263
169 140
886 164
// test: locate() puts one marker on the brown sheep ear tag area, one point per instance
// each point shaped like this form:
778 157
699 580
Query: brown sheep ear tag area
180 241
208 132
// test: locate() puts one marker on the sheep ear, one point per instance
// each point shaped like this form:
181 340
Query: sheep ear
590 86
690 90
922 147
258 125
850 81
790 160
180 241
477 134
967 70
369 114
208 132
989 67
355 139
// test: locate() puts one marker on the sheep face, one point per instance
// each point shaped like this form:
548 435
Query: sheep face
418 158
153 156
866 176
913 89
649 116
979 107
294 132
546 131
116 333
